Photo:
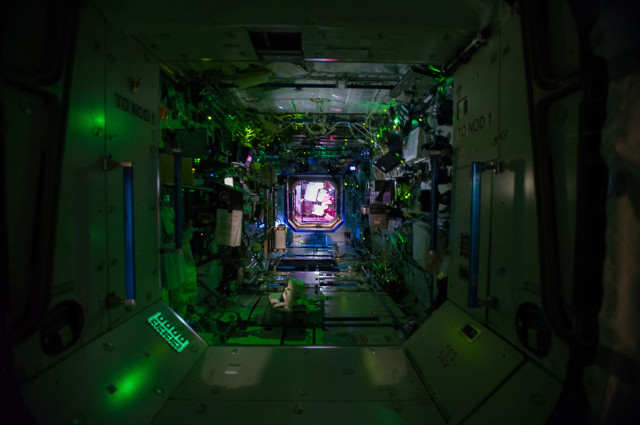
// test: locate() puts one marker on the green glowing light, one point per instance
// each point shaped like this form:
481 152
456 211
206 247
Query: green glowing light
131 383
128 386
167 331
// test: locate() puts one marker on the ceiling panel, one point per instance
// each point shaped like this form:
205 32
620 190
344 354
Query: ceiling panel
413 31
203 44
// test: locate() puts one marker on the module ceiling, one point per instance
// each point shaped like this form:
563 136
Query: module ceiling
336 88
263 55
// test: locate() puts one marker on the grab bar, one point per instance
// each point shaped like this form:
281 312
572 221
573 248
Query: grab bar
435 166
177 178
474 257
129 251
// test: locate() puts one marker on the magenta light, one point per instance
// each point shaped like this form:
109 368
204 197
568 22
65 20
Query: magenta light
320 60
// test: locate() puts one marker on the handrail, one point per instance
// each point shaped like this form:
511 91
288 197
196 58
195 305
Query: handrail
177 179
435 166
129 251
474 258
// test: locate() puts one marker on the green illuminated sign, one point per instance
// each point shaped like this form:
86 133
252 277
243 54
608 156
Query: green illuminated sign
168 332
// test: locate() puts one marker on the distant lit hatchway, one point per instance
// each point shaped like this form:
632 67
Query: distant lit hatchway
314 203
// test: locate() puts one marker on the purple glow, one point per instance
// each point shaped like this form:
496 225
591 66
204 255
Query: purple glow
320 60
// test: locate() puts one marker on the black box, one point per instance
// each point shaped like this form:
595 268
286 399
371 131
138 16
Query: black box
388 162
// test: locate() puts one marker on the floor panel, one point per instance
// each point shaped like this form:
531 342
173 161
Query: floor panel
302 373
195 412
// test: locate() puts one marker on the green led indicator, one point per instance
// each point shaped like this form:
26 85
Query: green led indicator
167 331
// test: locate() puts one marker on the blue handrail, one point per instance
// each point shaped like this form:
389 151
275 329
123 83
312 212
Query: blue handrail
435 166
177 176
474 257
129 251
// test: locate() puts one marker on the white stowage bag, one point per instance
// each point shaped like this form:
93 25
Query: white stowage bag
292 297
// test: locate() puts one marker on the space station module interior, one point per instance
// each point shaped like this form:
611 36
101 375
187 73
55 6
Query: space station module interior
421 212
